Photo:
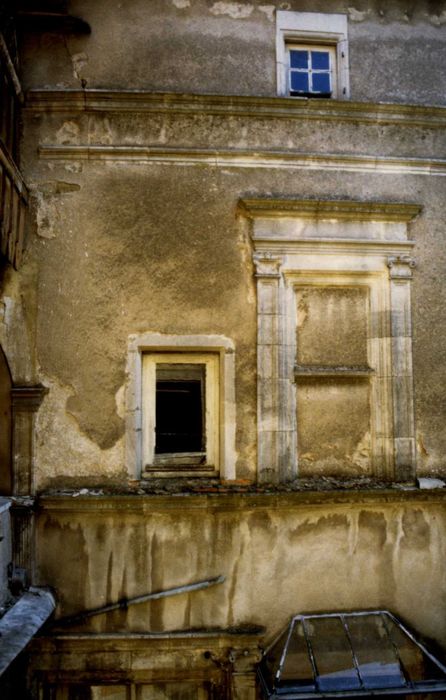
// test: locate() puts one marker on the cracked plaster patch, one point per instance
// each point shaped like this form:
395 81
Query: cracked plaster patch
61 448
68 134
48 205
438 20
181 4
100 131
235 10
79 61
268 10
357 15
47 216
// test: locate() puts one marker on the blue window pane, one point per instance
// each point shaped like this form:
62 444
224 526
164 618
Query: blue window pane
321 82
299 82
299 59
320 60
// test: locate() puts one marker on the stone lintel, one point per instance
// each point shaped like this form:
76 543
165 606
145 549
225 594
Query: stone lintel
340 210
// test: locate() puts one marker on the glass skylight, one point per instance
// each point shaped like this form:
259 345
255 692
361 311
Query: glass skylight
348 654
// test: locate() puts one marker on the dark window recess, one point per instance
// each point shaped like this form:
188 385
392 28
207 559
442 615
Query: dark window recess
180 409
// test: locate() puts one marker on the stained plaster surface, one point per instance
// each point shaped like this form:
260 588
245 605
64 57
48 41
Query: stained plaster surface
396 48
377 549
18 320
127 245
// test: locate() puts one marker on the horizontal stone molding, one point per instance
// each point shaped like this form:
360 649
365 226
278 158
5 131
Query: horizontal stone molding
279 500
336 209
71 101
367 246
246 158
188 656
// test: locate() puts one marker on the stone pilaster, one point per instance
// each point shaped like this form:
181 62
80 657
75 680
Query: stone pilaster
267 272
25 401
244 664
400 274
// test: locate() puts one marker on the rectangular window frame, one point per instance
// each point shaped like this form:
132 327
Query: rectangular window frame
315 30
155 462
153 343
332 68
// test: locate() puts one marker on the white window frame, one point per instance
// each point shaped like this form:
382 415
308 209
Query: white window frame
211 362
216 352
332 69
313 30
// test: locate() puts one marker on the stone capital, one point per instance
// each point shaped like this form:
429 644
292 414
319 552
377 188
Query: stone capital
400 266
27 397
267 265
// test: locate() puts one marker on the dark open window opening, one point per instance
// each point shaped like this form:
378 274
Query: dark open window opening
180 409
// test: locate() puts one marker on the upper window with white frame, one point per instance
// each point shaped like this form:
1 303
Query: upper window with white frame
311 70
312 55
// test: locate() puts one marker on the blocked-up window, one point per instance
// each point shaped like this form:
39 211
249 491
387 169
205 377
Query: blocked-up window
334 369
333 376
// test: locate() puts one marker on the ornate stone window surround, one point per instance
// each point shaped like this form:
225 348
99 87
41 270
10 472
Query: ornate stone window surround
334 243
139 408
315 30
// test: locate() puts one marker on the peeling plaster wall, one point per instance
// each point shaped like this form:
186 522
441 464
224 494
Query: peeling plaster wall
139 231
204 46
18 299
140 243
361 556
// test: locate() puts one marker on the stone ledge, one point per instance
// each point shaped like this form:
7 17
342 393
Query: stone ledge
96 100
328 210
272 499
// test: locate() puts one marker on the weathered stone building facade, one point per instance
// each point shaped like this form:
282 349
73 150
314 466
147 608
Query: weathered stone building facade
235 231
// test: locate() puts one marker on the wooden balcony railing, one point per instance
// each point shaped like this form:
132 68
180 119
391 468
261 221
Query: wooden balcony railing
13 191
13 208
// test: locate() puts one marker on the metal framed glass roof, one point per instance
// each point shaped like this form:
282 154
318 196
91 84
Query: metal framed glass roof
348 655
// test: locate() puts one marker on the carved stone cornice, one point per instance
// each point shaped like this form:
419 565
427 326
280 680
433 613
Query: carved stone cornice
341 210
27 397
234 105
246 157
400 266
